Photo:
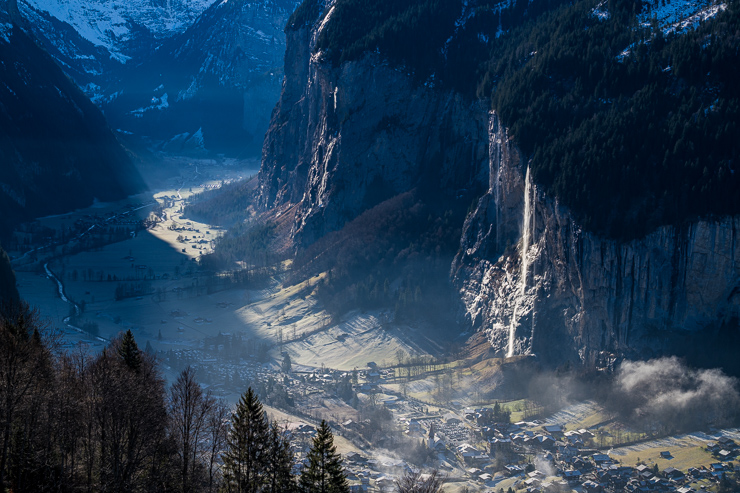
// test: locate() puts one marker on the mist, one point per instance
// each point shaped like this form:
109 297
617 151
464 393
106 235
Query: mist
666 393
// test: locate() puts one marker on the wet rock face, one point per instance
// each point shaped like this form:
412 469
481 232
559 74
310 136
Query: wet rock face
343 139
584 294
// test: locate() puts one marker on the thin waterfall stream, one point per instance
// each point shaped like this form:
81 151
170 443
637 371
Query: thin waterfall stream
525 266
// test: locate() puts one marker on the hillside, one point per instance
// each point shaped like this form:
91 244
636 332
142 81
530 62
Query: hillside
596 164
630 120
192 78
56 149
8 290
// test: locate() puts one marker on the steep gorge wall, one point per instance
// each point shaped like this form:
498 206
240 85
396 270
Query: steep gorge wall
343 139
584 295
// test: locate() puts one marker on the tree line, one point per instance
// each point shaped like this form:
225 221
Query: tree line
632 126
107 422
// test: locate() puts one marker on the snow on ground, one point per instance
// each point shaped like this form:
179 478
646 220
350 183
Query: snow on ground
673 16
572 414
5 30
353 343
157 104
601 11
697 438
679 15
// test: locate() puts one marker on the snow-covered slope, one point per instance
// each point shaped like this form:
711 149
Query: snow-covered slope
113 23
161 69
221 77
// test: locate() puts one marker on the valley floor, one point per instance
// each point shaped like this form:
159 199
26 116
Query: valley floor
383 386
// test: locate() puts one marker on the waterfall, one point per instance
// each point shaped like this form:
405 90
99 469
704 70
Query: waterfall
523 254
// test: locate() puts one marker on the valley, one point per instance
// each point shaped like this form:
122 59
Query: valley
487 240
395 395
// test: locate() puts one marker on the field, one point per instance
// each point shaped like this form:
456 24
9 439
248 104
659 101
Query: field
160 262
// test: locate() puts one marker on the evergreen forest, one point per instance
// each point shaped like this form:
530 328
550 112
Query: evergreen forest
631 124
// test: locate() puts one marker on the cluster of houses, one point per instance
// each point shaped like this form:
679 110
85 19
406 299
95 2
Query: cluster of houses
566 461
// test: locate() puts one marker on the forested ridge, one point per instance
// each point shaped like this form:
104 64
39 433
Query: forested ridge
630 125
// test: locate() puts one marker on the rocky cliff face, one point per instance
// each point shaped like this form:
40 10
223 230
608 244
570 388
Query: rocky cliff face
343 139
536 283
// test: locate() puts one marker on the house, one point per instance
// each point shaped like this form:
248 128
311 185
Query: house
452 419
585 433
697 473
673 473
725 454
545 441
373 376
485 477
384 483
437 444
572 476
592 487
355 457
727 443
531 483
601 458
666 455
555 429
300 429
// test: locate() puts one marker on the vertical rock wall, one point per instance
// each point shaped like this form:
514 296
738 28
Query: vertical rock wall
587 295
343 139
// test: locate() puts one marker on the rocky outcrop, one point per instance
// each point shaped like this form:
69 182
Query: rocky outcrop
343 139
583 295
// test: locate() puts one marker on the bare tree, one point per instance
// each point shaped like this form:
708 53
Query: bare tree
189 409
416 482
21 359
130 414
217 428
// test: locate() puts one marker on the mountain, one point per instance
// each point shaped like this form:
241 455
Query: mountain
56 149
118 26
178 76
597 160
213 86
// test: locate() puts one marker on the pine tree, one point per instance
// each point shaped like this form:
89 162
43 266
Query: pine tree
279 472
129 351
324 472
245 460
287 363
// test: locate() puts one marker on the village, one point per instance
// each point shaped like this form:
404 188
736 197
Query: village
474 448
